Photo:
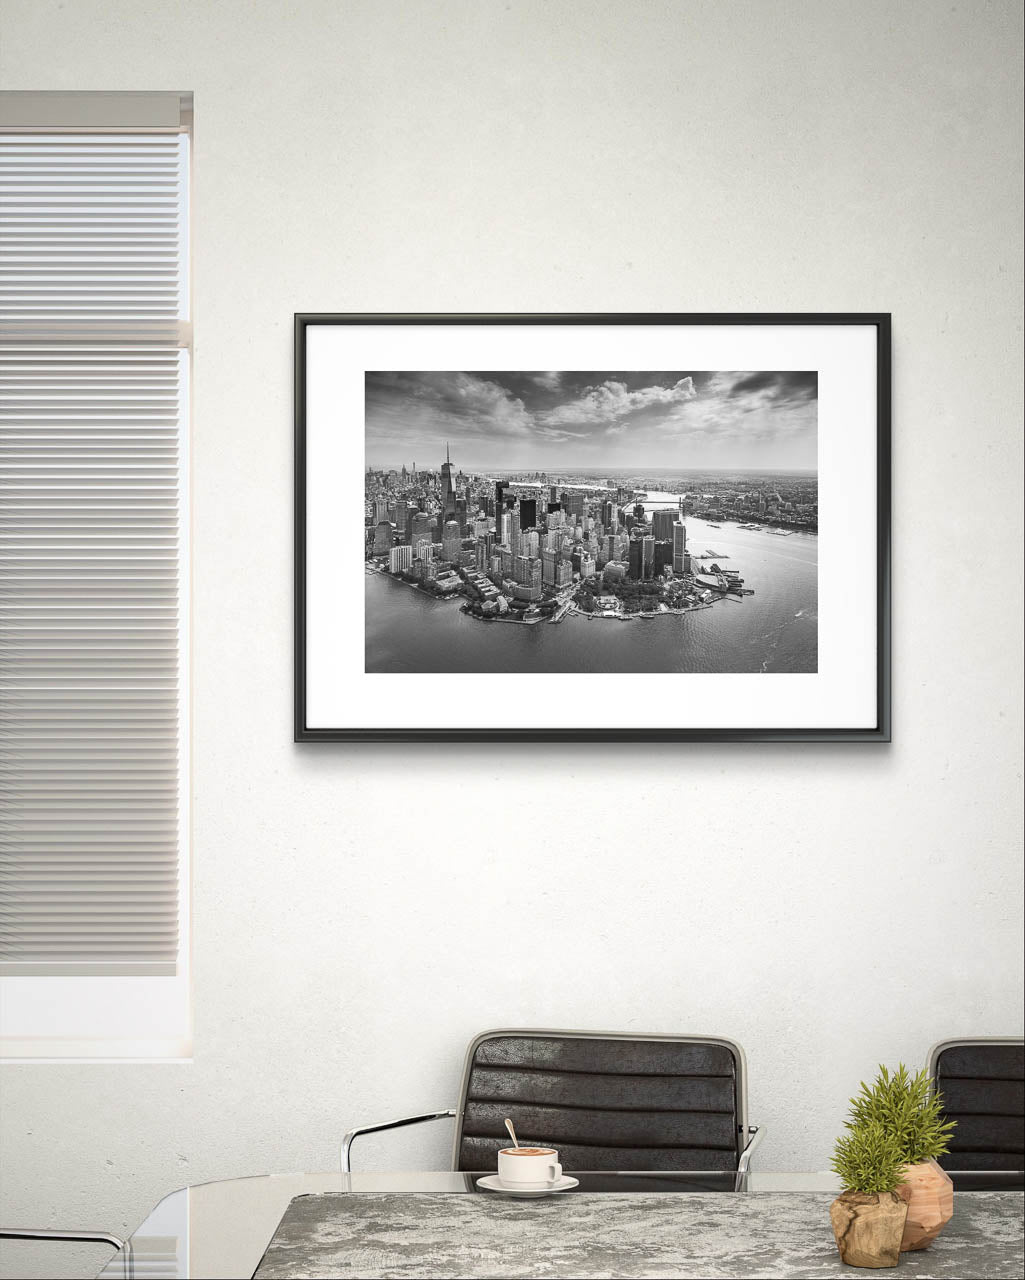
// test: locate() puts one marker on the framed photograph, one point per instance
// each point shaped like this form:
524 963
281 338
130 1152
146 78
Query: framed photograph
590 527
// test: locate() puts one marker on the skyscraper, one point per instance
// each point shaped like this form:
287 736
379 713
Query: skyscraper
527 573
485 543
514 532
649 555
400 559
574 504
451 541
528 513
662 524
679 547
420 527
526 569
448 493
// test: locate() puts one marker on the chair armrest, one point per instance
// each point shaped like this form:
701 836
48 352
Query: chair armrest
81 1237
353 1134
123 1247
755 1134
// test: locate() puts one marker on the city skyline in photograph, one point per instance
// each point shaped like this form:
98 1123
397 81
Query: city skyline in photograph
763 420
495 504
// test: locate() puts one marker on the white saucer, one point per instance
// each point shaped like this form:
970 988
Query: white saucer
494 1183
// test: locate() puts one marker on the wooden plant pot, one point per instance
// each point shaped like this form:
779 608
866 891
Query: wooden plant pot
931 1204
869 1227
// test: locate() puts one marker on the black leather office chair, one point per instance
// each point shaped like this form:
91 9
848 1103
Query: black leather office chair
606 1101
982 1083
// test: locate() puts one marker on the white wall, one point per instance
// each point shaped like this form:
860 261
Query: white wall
831 907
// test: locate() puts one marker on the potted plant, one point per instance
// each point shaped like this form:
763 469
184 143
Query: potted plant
868 1217
912 1112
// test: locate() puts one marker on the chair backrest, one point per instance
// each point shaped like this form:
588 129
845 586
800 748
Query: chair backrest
606 1101
982 1083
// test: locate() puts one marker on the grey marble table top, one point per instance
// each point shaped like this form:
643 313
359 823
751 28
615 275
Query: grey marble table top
594 1237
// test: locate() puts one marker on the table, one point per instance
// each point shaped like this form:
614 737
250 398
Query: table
220 1230
602 1236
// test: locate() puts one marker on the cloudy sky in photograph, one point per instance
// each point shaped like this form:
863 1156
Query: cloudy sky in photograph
549 421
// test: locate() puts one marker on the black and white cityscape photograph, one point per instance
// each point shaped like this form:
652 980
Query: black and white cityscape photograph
590 522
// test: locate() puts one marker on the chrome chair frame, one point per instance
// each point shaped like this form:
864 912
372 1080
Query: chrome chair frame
123 1247
750 1134
964 1042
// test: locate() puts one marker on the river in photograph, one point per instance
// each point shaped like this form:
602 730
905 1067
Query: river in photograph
774 630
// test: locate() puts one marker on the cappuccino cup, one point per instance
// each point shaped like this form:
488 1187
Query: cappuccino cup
529 1167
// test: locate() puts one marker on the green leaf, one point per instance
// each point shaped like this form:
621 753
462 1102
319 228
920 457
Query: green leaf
908 1109
868 1159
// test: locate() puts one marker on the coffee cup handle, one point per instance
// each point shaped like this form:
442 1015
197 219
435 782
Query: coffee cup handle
556 1171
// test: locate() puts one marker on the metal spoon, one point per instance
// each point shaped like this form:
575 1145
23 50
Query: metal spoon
512 1131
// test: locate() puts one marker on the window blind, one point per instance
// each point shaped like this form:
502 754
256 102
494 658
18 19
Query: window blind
94 367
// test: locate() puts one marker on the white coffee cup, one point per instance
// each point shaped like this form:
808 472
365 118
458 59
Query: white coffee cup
529 1167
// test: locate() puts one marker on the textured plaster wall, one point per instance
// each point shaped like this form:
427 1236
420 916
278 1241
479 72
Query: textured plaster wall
830 907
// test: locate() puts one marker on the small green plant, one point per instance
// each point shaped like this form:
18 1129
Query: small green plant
868 1159
908 1110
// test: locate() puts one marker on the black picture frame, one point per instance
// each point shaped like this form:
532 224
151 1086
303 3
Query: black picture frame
879 732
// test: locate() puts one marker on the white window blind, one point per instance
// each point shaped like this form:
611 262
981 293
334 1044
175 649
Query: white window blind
94 377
